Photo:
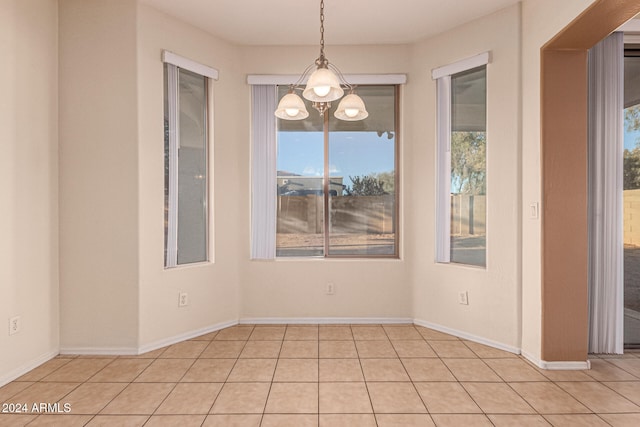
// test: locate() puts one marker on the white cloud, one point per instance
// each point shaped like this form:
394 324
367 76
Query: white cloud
310 170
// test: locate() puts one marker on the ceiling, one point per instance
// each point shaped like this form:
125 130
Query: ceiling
355 22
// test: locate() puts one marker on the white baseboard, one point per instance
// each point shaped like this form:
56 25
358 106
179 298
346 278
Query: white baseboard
323 320
467 336
32 364
555 366
185 336
100 351
132 351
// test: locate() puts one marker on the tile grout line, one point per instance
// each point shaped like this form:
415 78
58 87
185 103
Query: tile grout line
503 382
409 376
617 392
273 376
366 384
75 388
230 370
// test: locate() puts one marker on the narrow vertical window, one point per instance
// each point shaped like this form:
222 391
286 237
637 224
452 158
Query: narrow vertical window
186 173
462 153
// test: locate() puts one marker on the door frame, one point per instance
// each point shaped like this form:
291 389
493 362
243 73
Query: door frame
564 177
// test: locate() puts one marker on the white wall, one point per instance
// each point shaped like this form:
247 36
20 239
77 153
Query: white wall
29 183
541 20
293 289
493 312
98 176
212 287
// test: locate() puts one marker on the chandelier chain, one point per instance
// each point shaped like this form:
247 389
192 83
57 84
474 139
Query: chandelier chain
321 28
325 84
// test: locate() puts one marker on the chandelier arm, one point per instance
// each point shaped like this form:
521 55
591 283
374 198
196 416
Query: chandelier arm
304 75
341 77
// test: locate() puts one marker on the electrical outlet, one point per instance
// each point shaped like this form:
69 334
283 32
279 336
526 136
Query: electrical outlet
14 325
331 289
183 299
463 298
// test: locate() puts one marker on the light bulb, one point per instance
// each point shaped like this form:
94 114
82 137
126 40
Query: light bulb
351 112
351 108
322 90
292 112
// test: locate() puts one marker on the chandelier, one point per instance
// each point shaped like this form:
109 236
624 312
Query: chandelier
323 86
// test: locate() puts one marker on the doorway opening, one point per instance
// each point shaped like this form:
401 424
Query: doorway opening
564 211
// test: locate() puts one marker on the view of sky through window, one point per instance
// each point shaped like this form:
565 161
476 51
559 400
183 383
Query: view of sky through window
346 154
631 139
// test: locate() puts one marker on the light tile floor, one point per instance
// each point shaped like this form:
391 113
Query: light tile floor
338 375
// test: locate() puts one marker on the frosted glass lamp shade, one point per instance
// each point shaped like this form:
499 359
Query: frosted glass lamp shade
323 86
291 107
351 108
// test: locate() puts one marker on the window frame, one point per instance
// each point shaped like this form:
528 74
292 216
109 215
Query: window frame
261 231
326 196
442 76
172 64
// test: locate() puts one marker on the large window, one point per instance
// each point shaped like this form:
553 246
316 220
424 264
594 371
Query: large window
337 181
186 168
462 172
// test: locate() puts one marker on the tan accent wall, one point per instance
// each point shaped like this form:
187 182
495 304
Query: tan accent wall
564 160
564 177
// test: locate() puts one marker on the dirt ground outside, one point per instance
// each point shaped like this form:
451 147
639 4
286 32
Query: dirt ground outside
298 244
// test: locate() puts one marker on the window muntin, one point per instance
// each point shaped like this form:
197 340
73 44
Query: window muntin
186 167
349 181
